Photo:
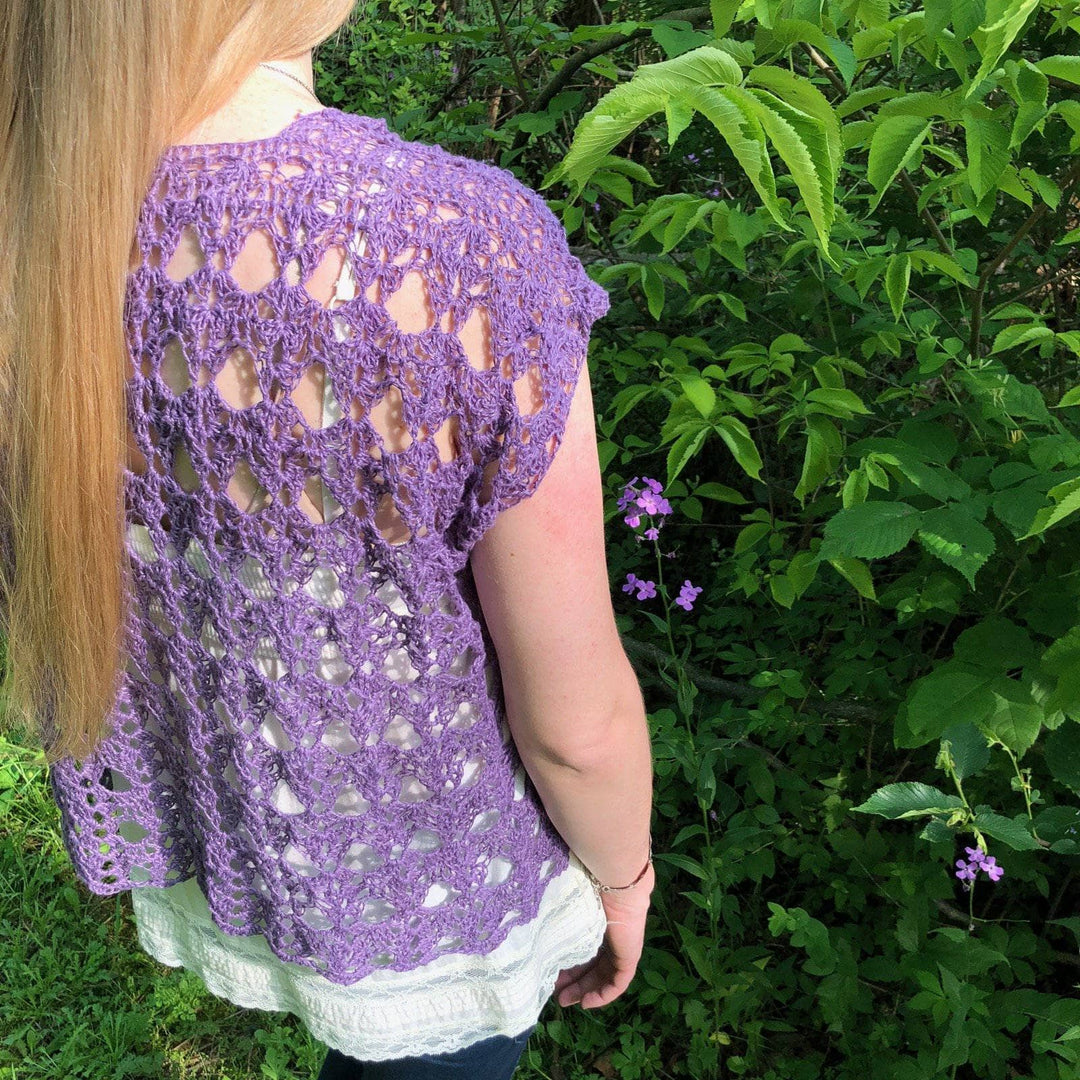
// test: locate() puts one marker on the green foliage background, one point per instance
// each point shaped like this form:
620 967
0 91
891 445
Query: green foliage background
838 236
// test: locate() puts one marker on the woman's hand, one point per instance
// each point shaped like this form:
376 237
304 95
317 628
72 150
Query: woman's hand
602 979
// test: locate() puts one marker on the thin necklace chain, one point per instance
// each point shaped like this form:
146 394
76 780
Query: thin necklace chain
289 75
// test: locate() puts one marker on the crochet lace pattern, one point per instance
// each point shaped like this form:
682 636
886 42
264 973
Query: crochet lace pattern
349 352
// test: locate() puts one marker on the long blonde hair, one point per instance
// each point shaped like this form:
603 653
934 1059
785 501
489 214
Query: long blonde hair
90 94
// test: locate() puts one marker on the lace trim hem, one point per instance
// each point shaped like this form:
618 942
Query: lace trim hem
452 1002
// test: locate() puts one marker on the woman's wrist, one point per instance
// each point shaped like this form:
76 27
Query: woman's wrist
611 888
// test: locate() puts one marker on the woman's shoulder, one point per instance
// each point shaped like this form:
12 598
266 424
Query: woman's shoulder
427 167
358 141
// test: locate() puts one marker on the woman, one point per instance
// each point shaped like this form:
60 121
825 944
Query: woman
305 589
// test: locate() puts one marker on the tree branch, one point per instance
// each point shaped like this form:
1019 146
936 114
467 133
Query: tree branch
574 63
988 271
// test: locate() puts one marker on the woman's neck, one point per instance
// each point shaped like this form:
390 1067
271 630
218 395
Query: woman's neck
264 103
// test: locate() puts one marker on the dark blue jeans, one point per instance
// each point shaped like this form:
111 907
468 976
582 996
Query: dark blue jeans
490 1059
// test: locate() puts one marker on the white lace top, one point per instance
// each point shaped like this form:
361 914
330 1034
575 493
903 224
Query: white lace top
452 1002
448 1004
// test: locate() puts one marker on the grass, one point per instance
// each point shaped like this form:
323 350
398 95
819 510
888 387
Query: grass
82 1001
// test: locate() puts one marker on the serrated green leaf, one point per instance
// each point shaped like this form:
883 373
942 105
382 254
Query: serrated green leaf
856 573
895 142
1060 664
1015 720
701 395
652 285
723 13
987 144
957 538
750 535
908 799
968 748
1013 832
782 589
1012 337
678 117
802 570
845 403
1066 501
998 35
1061 67
683 449
824 446
737 437
625 107
856 488
801 143
870 530
940 261
720 492
897 278
948 696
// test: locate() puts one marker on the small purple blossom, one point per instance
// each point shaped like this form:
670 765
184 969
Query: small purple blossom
596 207
966 871
652 503
646 589
631 583
629 494
977 860
652 533
687 595
649 499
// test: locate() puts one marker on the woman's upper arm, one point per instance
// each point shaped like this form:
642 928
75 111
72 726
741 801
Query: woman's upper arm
542 580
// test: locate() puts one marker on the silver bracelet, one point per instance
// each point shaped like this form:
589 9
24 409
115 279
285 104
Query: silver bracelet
620 888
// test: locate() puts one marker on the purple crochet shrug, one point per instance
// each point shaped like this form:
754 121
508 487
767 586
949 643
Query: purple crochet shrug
311 719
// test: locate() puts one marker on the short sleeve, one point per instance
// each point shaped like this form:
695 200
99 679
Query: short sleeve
541 308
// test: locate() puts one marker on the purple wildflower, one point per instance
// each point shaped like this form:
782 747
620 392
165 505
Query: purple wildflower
977 860
629 494
651 503
649 499
687 595
691 158
631 582
596 207
966 871
652 533
646 589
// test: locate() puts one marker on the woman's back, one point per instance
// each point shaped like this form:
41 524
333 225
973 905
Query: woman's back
349 354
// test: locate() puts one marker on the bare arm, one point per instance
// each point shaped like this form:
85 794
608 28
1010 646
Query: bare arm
573 702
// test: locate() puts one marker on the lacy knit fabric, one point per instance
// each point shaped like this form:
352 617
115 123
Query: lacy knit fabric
349 353
455 1001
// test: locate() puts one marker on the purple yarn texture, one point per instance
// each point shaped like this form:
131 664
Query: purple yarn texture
311 719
